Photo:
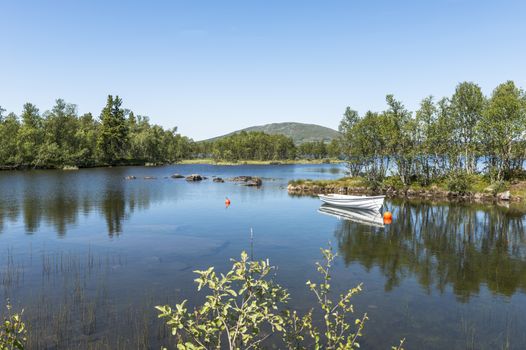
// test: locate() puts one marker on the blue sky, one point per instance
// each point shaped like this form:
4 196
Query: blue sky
210 67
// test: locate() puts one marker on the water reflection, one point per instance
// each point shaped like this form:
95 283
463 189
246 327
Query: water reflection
59 202
366 217
463 247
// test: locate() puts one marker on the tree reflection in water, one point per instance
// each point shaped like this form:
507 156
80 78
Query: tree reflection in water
60 202
464 246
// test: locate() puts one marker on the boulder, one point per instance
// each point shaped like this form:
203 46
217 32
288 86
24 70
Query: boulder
218 179
248 180
177 176
130 177
478 196
504 196
70 167
194 177
256 182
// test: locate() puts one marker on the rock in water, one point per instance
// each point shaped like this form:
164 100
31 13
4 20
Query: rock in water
218 179
194 177
177 176
248 180
504 196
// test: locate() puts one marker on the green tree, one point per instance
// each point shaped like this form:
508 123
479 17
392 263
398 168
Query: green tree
503 129
86 136
59 142
251 146
30 135
9 127
426 118
400 130
355 161
467 105
113 132
334 148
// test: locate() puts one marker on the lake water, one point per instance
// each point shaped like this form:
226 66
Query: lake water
88 254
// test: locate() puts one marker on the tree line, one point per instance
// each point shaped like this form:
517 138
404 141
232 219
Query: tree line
467 133
257 145
60 137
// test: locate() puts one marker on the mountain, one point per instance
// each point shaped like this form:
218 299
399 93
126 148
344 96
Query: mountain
299 132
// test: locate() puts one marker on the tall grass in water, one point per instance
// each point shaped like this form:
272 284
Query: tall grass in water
72 305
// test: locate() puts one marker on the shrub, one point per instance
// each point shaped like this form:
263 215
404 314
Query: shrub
242 309
393 182
499 186
12 331
459 182
374 180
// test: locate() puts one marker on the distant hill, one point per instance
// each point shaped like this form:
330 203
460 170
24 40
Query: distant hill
299 132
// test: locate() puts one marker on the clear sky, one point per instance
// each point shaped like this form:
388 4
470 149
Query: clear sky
210 67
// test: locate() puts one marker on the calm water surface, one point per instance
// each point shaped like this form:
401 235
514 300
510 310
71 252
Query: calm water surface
88 254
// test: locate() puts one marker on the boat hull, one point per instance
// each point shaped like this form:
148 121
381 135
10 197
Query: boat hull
356 202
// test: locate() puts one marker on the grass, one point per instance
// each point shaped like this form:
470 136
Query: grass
71 305
343 182
477 184
518 189
259 162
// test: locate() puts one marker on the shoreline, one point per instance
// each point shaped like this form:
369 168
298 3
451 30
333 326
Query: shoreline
355 187
204 161
209 161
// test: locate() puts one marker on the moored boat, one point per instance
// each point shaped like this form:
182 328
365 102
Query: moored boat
357 202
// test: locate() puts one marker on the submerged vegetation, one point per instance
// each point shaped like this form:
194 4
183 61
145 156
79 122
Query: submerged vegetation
245 309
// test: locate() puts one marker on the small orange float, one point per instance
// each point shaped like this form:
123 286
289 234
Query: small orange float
388 215
227 201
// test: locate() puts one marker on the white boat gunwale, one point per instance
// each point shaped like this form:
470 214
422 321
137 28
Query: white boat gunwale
357 202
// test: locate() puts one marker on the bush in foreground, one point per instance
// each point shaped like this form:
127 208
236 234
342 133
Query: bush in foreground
245 307
12 331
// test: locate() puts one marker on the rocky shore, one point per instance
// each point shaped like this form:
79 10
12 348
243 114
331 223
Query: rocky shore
431 193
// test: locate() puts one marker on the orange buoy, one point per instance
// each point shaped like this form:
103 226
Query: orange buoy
388 221
388 215
227 201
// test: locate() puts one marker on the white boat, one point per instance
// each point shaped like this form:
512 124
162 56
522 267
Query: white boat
357 202
366 217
